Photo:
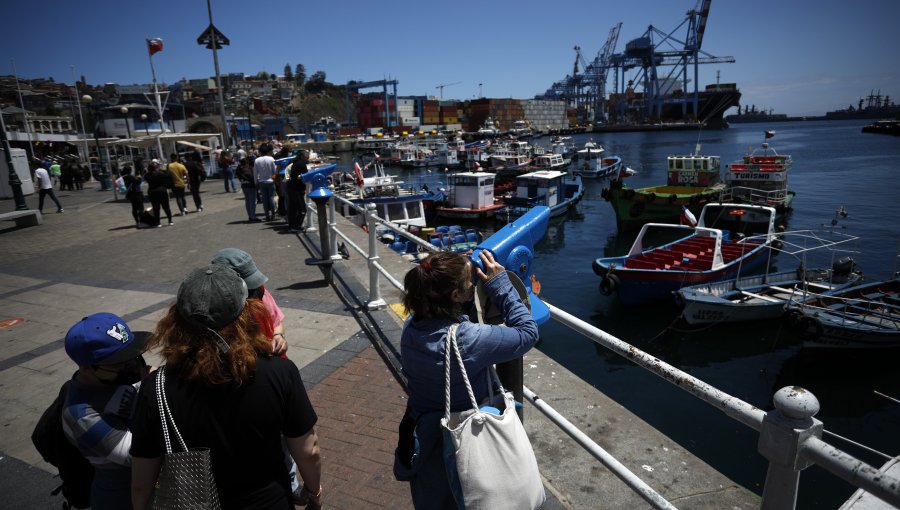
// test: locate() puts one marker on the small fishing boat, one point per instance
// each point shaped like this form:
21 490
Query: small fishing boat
862 317
557 190
489 129
692 182
698 255
599 167
471 197
590 150
551 161
760 177
762 297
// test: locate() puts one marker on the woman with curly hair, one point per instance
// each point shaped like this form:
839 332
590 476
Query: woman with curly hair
226 393
437 295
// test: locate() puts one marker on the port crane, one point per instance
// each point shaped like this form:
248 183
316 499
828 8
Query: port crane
442 85
391 118
656 49
587 90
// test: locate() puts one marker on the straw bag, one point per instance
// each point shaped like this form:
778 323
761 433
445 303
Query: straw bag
488 457
186 479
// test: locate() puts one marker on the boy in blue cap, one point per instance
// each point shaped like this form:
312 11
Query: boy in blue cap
99 407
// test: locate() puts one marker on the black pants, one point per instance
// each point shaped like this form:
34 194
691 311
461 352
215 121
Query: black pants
137 205
296 205
44 192
180 202
158 200
195 193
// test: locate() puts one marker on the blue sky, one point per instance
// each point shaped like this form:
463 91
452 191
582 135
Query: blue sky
794 56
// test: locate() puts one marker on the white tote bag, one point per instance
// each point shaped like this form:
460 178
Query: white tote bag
494 462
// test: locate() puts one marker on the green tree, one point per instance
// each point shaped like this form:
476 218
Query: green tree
300 74
288 75
316 83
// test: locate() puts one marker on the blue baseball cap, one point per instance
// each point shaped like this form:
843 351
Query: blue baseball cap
103 339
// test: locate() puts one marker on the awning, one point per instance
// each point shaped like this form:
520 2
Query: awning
150 141
194 145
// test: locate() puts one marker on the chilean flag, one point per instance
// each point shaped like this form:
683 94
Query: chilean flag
769 134
154 45
687 217
358 171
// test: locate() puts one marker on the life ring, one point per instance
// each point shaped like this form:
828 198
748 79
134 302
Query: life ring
628 194
609 284
673 198
651 197
809 328
636 209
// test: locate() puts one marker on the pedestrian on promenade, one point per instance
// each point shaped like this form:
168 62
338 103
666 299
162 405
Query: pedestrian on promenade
45 188
296 191
78 176
67 176
99 407
56 173
264 170
248 187
226 165
179 181
436 292
158 184
280 179
196 175
134 194
229 394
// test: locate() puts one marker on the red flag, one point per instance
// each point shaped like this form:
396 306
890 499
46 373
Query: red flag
358 171
769 134
687 217
154 45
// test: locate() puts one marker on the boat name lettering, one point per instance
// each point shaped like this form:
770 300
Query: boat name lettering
689 177
757 176
709 315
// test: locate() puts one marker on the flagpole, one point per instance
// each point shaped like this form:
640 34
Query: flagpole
159 111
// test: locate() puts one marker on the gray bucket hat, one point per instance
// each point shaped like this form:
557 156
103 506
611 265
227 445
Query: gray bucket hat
242 263
211 296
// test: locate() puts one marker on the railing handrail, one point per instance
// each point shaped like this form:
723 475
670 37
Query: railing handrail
790 427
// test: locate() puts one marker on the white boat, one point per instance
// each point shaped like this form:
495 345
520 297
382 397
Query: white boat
590 150
489 129
471 197
557 190
551 161
520 130
760 177
599 167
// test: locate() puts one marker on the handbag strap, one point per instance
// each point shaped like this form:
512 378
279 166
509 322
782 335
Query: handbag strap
452 346
165 414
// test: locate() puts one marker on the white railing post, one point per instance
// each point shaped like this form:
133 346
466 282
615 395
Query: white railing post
781 438
332 231
375 301
310 225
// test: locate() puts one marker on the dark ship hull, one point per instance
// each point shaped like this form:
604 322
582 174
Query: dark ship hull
675 109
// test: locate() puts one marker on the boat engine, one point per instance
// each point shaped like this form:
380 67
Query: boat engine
843 266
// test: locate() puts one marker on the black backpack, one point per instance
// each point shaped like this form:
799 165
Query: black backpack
75 472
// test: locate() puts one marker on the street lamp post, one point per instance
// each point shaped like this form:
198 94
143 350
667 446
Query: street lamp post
144 120
103 174
14 182
124 111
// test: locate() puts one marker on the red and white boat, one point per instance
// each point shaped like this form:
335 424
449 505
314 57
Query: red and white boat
471 197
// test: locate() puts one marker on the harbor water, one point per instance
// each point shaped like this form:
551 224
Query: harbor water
835 165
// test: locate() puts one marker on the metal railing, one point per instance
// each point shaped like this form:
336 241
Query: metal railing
790 436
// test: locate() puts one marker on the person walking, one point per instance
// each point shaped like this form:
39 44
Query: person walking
134 194
248 187
196 175
264 170
179 181
56 174
78 176
97 415
158 184
296 191
229 394
46 188
436 292
67 176
226 165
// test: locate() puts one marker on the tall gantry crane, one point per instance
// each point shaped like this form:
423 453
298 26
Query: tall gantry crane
588 89
442 85
656 49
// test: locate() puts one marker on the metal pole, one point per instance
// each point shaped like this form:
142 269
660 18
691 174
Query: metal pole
332 229
225 135
375 301
87 151
14 182
24 112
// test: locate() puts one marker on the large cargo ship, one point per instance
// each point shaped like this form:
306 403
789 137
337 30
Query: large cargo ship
676 107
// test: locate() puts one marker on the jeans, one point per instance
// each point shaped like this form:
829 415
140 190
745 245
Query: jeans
44 192
195 192
180 202
228 177
268 196
250 202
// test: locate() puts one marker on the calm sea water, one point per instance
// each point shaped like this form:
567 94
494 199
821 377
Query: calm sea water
834 165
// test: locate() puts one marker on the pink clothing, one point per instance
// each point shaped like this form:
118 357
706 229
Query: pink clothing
274 311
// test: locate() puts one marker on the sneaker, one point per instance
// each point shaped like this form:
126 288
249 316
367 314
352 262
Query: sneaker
60 211
200 209
171 224
184 212
159 225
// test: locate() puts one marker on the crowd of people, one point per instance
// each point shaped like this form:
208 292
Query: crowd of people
228 385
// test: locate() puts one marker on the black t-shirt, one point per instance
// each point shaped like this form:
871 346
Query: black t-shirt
195 172
158 182
241 425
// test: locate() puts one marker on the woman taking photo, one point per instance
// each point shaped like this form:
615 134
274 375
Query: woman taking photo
437 294
228 394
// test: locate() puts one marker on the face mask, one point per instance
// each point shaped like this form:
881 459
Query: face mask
129 374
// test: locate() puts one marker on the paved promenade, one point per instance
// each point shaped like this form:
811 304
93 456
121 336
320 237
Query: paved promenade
91 258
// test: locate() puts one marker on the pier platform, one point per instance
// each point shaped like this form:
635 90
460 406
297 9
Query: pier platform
91 258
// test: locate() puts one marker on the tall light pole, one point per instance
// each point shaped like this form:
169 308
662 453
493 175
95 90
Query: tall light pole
214 40
124 111
105 183
14 182
144 120
87 152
